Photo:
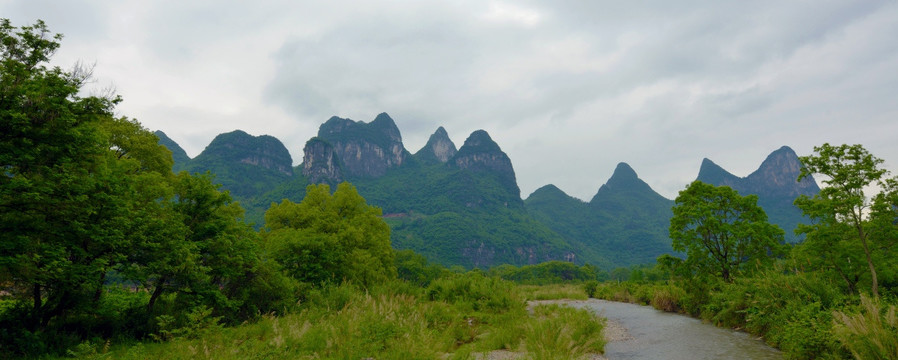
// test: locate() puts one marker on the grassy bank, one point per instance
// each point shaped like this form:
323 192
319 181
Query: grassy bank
455 317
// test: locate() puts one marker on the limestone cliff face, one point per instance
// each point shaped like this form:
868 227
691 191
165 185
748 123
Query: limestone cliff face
365 150
439 148
481 154
239 147
320 163
777 176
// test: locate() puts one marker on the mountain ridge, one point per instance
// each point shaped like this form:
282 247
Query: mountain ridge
776 184
463 206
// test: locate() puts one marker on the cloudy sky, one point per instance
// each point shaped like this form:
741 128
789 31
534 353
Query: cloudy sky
567 88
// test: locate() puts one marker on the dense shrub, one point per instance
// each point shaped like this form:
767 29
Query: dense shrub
550 272
474 291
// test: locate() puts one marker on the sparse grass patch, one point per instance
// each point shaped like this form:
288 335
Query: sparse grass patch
553 292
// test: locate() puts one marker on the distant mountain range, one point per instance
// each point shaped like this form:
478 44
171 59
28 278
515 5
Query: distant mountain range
462 206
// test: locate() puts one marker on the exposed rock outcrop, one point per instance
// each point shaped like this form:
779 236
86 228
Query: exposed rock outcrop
320 163
439 148
366 150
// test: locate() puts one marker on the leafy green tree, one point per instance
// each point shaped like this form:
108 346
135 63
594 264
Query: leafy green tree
414 268
330 238
201 253
840 212
721 231
75 181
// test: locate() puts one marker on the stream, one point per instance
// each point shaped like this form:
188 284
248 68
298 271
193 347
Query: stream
655 334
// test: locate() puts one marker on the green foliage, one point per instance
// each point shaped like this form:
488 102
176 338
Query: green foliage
550 272
842 228
567 291
475 292
347 323
628 220
236 160
591 288
88 203
77 187
721 231
563 333
414 268
790 310
330 238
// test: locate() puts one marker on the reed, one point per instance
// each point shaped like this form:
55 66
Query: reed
871 333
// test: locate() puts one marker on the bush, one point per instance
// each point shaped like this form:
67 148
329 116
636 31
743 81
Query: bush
476 292
591 288
667 298
561 332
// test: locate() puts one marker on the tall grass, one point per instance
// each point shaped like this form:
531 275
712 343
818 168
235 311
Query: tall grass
871 333
561 332
455 317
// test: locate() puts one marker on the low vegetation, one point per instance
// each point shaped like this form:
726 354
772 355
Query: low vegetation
455 317
105 253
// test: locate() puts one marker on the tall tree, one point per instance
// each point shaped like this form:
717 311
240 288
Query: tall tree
74 179
720 230
330 238
841 210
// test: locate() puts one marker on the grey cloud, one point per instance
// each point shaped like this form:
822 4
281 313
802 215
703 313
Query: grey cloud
658 84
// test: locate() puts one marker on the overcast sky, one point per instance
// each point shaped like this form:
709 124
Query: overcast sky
567 88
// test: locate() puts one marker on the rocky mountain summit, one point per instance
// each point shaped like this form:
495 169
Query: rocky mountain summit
462 206
366 150
439 148
481 154
237 146
775 183
776 177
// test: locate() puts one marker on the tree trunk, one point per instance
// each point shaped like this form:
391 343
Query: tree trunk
99 291
36 309
870 264
156 293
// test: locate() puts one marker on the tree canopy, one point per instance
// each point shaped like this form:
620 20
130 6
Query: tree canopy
88 201
847 223
330 238
721 231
